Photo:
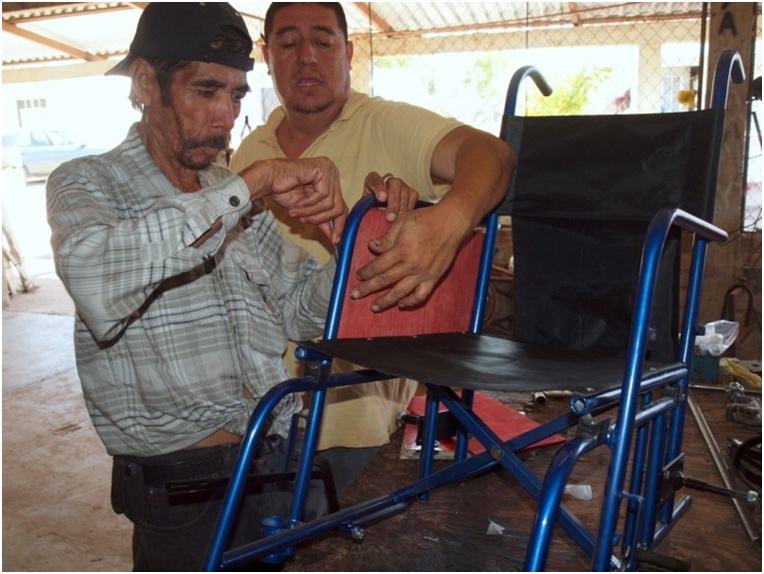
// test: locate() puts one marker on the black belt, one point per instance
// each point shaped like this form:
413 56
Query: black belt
208 462
206 472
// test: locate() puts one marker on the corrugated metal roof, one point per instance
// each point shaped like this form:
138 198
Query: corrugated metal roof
36 33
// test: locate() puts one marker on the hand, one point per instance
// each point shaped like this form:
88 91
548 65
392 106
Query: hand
398 197
413 255
308 188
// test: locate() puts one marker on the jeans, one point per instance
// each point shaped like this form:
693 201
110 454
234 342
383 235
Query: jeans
172 533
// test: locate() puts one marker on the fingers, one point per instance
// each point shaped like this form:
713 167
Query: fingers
393 191
395 297
398 268
400 198
333 229
314 206
321 202
412 256
339 227
375 184
330 221
405 285
308 188
394 200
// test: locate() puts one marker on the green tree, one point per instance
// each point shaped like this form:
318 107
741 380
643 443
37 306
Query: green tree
482 77
393 62
570 94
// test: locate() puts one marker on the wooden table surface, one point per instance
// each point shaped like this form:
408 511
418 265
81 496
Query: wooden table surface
483 524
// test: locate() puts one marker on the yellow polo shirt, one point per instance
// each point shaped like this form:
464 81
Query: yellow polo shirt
371 134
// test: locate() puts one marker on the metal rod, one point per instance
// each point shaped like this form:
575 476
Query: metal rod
723 389
754 535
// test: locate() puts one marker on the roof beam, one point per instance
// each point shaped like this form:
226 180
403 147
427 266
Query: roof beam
16 12
22 9
60 46
382 24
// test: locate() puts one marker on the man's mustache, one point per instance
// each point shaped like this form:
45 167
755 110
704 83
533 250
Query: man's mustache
219 142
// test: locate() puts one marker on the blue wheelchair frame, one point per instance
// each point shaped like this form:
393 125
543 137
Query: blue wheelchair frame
643 423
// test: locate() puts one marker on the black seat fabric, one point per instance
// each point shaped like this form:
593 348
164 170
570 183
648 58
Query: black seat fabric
583 193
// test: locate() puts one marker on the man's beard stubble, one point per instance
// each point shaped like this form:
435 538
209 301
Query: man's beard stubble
218 142
317 109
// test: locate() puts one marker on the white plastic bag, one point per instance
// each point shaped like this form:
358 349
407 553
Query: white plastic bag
718 337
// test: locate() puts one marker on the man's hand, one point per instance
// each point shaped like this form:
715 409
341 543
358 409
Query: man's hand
413 255
397 195
421 245
308 188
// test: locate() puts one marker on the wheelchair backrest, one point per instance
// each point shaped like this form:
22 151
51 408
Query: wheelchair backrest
583 192
448 309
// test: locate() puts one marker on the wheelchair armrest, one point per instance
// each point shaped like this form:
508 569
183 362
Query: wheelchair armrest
691 223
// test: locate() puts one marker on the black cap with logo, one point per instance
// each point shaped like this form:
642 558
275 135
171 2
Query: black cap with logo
185 31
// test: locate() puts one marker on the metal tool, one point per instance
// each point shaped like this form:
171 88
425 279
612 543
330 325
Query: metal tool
751 530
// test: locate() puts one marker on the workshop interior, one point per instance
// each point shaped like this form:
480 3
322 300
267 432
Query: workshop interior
590 368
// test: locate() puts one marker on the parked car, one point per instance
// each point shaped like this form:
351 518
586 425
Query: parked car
39 152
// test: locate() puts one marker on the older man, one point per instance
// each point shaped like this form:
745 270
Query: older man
185 290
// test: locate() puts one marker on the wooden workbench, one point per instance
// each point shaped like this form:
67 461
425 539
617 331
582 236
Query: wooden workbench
483 523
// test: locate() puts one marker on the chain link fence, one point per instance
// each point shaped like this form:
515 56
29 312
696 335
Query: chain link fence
620 58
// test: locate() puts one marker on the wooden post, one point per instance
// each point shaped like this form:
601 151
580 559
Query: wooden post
732 25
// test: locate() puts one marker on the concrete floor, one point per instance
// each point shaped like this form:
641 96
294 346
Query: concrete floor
56 473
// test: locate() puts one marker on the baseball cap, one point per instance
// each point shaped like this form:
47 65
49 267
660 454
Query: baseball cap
184 31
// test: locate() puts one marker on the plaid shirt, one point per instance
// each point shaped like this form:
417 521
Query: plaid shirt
168 335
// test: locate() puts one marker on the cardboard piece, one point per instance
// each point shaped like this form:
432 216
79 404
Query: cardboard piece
505 421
